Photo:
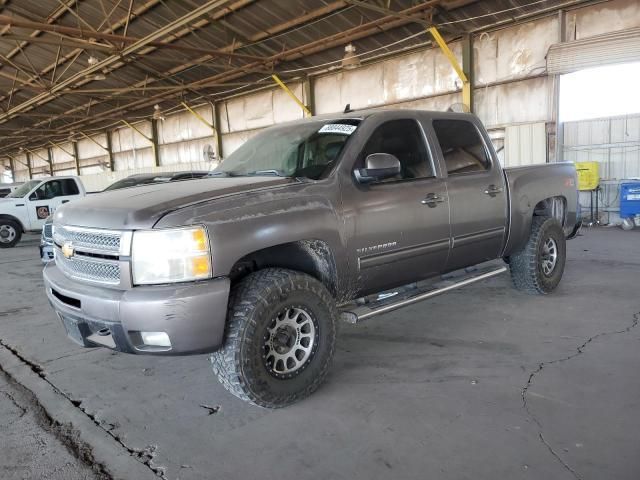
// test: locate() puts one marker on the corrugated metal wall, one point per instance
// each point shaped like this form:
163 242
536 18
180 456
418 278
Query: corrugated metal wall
615 144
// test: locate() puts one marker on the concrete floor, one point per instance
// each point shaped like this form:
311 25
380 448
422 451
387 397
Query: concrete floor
30 447
482 383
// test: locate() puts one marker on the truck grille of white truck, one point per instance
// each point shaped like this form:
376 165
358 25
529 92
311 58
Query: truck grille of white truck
92 255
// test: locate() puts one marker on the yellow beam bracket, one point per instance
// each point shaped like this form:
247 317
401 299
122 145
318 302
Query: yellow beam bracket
466 85
60 147
37 155
276 79
94 141
199 117
150 140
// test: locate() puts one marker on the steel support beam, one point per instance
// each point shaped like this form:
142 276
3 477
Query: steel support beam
308 92
29 166
217 122
467 68
154 142
109 149
12 167
76 156
50 161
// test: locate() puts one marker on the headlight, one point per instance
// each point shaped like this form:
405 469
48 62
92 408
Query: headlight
172 255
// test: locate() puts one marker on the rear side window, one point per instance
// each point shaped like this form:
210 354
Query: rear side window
462 147
69 187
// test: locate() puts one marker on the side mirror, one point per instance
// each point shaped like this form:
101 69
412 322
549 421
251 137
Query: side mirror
378 167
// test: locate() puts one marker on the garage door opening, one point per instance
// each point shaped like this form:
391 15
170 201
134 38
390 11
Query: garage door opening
600 92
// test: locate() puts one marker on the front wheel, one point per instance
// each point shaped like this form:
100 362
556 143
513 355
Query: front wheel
538 267
280 338
10 233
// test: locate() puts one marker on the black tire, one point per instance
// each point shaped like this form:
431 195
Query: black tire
8 225
255 304
530 266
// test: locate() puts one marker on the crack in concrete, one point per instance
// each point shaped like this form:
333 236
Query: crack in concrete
144 456
542 365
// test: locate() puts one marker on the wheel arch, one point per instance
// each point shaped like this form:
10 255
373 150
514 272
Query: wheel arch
5 216
313 257
553 206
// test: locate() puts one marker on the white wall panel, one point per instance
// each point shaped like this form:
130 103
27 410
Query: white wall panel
88 149
524 101
603 18
512 53
525 144
185 126
613 142
125 138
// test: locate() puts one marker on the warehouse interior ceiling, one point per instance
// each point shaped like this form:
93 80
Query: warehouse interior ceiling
70 67
616 87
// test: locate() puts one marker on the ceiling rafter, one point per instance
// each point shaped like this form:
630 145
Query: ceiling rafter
313 15
360 31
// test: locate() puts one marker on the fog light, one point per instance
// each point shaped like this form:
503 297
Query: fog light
156 339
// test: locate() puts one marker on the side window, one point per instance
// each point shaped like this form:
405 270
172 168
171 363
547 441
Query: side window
462 147
69 187
55 188
404 140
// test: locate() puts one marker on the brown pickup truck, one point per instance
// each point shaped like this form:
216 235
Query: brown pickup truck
336 216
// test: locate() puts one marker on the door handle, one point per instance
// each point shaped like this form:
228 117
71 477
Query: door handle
65 201
492 190
432 200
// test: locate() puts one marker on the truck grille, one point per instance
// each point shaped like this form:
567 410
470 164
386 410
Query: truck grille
47 231
87 268
107 241
96 253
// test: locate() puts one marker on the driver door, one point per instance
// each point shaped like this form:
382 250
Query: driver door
401 224
47 198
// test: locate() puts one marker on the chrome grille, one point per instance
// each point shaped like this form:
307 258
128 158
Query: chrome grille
94 253
104 241
47 231
88 268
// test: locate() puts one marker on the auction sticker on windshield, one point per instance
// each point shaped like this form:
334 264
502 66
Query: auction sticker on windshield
340 128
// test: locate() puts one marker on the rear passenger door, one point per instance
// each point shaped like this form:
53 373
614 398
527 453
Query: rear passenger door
477 193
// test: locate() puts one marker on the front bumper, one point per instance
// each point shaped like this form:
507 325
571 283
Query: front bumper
191 314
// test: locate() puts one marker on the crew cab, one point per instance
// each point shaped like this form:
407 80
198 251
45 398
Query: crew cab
345 216
27 207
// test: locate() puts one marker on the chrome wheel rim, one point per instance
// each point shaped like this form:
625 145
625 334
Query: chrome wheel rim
7 233
549 256
289 342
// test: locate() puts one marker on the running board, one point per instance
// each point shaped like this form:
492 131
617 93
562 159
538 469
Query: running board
355 313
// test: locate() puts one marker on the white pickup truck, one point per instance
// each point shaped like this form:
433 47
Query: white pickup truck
26 208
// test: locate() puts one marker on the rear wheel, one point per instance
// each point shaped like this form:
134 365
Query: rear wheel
10 233
538 267
280 338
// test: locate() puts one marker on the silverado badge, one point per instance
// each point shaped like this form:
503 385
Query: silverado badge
68 250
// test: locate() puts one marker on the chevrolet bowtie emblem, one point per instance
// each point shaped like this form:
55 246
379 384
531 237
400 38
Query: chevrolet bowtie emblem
67 250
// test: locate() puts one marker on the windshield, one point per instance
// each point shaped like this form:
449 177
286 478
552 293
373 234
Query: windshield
23 189
308 150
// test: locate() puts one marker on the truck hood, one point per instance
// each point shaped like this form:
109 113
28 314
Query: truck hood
141 207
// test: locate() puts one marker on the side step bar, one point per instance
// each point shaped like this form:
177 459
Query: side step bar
354 313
